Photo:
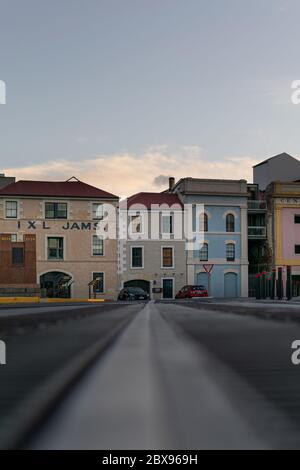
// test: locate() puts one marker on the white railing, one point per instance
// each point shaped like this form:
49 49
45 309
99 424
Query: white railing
257 205
257 232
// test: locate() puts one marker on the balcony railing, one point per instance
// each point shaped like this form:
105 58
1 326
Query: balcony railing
257 232
257 205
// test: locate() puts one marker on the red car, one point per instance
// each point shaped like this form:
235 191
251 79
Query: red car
189 292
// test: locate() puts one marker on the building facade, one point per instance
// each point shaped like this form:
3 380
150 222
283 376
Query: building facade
259 251
152 249
282 167
284 226
64 218
222 217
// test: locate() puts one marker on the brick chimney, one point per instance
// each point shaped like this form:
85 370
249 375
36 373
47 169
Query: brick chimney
171 183
6 180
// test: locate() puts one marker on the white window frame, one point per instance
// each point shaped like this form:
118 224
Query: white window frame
163 215
230 242
92 251
141 215
204 260
93 203
104 286
55 260
162 257
5 209
131 257
55 202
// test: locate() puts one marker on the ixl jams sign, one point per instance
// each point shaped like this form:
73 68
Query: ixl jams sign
2 92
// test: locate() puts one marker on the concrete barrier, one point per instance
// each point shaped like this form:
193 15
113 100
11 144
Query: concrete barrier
53 300
19 300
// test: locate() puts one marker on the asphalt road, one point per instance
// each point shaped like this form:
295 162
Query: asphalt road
47 349
175 376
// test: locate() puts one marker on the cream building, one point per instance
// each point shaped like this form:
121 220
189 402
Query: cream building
65 217
151 246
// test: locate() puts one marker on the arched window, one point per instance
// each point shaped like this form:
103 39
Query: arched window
204 252
230 252
203 222
230 223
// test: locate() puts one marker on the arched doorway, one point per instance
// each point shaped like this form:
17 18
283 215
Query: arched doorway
202 280
230 285
145 285
55 284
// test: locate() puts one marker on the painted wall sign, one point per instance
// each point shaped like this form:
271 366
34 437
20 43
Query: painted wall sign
45 225
289 200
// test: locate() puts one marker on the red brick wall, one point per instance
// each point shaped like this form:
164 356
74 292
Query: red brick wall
10 274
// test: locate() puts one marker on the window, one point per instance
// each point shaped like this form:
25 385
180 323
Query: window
203 254
230 252
167 224
297 249
18 256
98 286
97 246
56 210
167 257
13 237
297 219
230 223
203 222
137 257
136 223
55 248
97 211
11 209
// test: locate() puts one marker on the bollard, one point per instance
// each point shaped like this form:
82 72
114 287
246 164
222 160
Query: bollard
273 284
263 285
279 285
257 287
289 283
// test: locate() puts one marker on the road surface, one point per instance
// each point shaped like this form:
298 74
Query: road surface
178 375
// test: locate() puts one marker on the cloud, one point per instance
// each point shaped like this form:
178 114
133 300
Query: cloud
161 180
128 173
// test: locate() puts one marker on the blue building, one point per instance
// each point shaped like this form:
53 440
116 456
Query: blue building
219 220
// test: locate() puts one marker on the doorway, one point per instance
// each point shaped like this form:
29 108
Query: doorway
168 288
230 285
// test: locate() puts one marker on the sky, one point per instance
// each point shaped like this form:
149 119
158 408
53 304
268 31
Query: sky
125 93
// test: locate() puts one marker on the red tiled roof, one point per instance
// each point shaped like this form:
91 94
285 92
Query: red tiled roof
149 199
66 189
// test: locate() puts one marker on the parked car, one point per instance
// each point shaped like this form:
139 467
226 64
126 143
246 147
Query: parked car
133 293
189 292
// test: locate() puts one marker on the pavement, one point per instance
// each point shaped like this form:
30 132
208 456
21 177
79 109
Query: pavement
183 376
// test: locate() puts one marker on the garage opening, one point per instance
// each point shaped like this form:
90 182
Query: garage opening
145 285
56 285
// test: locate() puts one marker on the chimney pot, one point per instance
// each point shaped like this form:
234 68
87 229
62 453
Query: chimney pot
171 183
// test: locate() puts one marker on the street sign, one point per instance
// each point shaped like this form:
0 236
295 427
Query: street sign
208 268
